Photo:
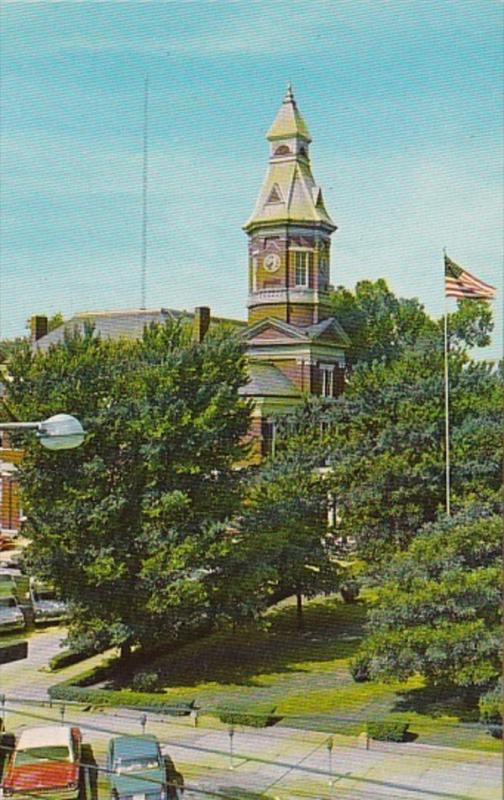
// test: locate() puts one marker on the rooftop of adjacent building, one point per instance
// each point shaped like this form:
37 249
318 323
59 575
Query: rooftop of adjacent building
124 323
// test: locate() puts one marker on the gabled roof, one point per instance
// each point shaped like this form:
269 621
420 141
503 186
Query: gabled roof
288 122
327 330
266 380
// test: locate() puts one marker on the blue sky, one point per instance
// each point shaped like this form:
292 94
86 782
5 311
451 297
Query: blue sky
403 100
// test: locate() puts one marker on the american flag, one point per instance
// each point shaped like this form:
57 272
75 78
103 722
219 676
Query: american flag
460 283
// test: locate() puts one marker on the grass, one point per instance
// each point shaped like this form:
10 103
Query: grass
304 674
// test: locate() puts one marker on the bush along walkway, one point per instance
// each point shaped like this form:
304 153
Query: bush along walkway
277 675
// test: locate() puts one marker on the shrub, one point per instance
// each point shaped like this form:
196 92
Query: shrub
384 731
350 591
490 706
145 682
68 657
255 716
360 668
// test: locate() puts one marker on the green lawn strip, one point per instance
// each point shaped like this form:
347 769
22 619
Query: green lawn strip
304 674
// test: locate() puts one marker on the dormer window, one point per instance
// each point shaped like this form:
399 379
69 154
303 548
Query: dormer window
303 152
303 267
275 196
283 150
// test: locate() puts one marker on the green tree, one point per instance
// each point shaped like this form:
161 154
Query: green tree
117 525
382 326
286 516
438 612
379 324
383 439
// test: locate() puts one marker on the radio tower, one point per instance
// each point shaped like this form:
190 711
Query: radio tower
144 193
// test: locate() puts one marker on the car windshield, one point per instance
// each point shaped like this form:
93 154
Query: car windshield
36 755
136 764
7 602
44 594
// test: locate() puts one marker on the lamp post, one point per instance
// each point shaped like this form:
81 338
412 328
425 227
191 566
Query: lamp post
60 432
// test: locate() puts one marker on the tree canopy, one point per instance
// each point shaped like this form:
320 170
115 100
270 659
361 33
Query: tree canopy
118 524
438 611
383 439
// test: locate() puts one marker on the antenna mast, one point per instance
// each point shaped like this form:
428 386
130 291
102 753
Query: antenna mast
144 193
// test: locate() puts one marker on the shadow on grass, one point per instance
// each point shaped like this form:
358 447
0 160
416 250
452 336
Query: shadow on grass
332 630
439 701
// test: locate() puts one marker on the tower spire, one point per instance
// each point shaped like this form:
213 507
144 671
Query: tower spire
289 95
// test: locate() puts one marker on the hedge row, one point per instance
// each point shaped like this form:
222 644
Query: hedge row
256 716
384 731
79 690
68 657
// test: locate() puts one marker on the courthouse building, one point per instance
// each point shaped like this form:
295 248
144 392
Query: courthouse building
294 345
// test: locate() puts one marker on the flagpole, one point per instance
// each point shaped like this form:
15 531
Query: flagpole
447 403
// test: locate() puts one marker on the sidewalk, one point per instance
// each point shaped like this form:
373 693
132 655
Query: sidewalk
291 764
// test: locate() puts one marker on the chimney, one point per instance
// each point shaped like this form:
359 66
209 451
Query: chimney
201 322
38 327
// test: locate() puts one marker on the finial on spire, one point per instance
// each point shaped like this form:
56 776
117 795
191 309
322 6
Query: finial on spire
289 96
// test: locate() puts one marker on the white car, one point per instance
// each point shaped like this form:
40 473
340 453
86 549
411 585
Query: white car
11 616
46 605
45 763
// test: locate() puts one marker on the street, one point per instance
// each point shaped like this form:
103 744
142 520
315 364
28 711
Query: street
279 762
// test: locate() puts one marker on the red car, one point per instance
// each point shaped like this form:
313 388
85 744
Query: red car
45 763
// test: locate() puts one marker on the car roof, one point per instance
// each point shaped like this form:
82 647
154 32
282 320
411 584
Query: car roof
135 746
44 735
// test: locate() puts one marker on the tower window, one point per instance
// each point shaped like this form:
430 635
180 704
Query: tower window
327 381
283 150
275 196
303 267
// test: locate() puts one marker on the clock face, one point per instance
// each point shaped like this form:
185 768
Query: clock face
272 262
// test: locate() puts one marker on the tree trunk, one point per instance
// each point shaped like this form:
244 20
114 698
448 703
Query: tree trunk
299 611
125 651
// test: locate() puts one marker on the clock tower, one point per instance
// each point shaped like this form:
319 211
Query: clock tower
295 347
289 230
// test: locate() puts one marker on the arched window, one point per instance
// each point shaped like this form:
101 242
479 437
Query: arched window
283 150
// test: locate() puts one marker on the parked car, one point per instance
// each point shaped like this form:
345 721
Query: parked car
14 560
9 572
11 616
45 763
136 768
46 605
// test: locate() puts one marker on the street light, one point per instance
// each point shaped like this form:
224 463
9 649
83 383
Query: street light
60 432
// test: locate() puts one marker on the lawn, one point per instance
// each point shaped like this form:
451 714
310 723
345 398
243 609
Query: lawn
305 675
